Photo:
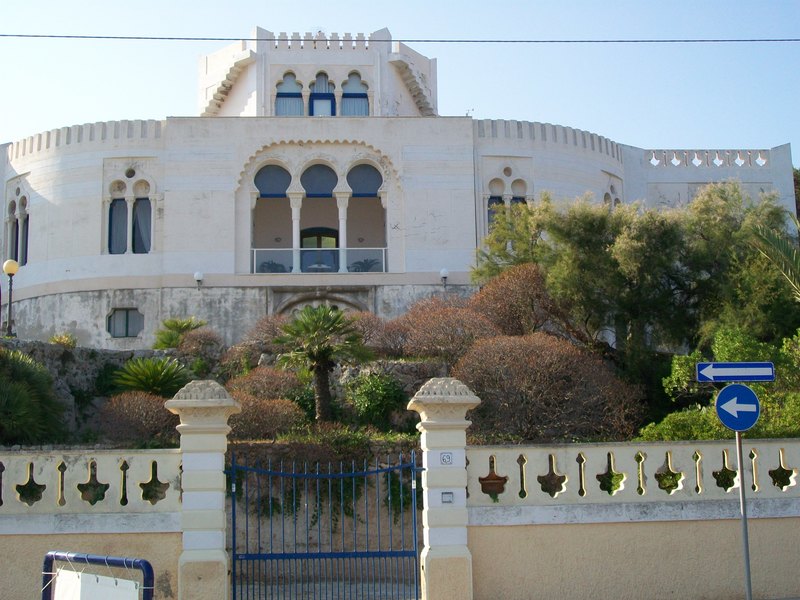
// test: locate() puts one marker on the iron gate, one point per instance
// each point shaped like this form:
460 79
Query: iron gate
334 532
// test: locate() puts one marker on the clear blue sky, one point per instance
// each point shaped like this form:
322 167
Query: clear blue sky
653 96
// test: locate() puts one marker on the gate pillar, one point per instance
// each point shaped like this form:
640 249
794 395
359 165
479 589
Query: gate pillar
446 563
203 408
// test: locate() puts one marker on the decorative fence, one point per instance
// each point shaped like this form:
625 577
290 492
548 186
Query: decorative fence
574 521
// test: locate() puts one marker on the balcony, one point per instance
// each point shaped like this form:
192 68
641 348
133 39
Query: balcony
318 260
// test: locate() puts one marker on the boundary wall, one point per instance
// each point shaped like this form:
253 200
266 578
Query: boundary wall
637 521
165 506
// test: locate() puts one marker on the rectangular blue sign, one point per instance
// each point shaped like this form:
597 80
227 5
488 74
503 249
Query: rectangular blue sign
736 371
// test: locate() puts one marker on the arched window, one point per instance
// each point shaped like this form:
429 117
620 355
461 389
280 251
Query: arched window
118 226
322 102
493 205
364 180
272 181
289 97
141 226
354 97
318 181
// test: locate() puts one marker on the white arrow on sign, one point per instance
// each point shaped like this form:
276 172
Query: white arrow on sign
713 370
733 408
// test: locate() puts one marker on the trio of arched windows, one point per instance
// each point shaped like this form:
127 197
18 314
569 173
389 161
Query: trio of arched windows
318 181
322 98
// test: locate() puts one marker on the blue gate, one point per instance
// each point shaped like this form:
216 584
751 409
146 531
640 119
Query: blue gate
335 532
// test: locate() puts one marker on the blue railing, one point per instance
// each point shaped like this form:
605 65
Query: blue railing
73 558
319 260
333 532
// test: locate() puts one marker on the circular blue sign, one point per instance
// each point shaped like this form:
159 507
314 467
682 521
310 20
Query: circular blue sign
738 407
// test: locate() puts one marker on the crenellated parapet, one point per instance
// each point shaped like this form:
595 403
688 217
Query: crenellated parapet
707 159
547 133
310 42
95 133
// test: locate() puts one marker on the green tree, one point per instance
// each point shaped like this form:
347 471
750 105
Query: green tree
316 339
783 251
172 331
780 400
514 235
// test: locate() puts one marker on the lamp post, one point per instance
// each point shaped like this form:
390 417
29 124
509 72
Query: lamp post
10 268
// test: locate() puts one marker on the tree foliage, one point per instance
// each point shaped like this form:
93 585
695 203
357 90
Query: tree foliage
780 400
317 339
173 330
29 410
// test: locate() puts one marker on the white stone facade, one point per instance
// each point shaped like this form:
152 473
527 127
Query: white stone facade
360 204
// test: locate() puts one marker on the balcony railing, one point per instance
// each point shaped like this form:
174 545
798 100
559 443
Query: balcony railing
318 260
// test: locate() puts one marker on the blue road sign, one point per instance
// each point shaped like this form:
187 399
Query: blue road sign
736 371
737 407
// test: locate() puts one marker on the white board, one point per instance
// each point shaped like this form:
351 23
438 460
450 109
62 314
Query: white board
72 585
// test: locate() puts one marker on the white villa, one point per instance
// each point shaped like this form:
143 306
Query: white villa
318 170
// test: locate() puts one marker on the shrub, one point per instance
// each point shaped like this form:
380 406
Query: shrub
444 330
542 388
394 338
202 349
160 376
138 418
371 328
67 340
265 331
264 418
173 330
374 397
266 383
238 360
29 410
516 300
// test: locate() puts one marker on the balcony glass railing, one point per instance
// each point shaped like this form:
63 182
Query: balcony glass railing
319 260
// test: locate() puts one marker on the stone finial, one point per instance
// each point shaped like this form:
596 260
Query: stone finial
443 398
199 397
202 390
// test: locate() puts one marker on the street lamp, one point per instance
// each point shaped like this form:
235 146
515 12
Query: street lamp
10 268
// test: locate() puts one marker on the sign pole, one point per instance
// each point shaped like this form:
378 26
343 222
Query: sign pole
743 509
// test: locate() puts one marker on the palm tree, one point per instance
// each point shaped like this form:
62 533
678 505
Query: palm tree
318 338
783 251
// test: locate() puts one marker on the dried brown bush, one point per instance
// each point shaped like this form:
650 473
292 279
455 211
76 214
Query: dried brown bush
444 329
394 338
262 418
542 388
238 360
267 383
201 349
371 327
516 301
265 331
138 418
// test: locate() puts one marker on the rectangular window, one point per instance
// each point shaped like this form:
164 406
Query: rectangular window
289 105
125 322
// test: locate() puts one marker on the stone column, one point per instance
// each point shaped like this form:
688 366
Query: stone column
296 202
129 200
342 200
204 408
446 560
